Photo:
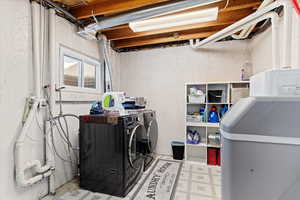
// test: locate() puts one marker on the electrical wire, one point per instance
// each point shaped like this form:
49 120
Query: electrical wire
227 4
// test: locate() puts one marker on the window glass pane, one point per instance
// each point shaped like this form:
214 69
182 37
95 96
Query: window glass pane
71 71
89 75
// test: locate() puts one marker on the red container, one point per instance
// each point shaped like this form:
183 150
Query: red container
212 158
219 157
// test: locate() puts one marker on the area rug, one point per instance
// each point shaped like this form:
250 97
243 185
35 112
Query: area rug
161 182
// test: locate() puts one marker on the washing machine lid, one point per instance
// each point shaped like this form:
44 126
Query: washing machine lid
264 119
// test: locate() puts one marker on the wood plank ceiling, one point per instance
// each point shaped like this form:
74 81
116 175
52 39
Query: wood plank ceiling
123 37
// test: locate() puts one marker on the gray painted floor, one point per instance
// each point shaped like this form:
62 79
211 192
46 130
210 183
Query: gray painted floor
196 182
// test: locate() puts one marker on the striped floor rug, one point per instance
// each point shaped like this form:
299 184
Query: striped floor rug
160 182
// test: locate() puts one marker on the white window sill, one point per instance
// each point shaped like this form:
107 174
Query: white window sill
73 95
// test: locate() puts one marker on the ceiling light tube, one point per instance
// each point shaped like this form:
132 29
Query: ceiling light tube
205 15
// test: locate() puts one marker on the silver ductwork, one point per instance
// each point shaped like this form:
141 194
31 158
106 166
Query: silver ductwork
89 32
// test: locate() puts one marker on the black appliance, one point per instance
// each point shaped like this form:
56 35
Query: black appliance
110 153
151 126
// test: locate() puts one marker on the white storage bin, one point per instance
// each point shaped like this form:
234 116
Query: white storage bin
194 118
196 98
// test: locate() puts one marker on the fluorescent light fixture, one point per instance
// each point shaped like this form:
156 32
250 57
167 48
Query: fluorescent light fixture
205 15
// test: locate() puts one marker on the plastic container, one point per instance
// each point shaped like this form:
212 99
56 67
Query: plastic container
197 98
194 118
212 156
215 96
178 150
219 157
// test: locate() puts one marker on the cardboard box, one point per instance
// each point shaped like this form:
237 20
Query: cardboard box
238 93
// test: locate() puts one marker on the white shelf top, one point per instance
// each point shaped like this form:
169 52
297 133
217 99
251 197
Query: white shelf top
203 124
212 83
197 145
213 145
196 103
207 103
204 145
218 103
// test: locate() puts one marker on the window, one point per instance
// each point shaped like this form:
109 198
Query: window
71 71
80 72
89 75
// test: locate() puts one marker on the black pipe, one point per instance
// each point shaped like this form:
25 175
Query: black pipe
63 11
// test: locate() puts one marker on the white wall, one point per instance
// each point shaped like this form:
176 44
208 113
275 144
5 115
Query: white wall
160 76
66 37
15 86
261 47
16 81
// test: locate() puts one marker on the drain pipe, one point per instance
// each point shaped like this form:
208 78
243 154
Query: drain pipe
106 57
240 26
49 150
221 34
287 35
246 32
22 166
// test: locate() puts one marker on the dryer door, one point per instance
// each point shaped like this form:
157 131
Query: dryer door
152 135
136 135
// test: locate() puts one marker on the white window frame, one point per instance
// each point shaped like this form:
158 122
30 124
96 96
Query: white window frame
82 58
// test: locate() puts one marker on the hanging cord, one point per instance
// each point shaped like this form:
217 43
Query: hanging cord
227 4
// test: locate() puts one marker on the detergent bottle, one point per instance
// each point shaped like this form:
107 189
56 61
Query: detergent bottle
213 116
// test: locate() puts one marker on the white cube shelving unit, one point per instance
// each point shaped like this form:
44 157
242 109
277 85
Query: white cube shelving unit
198 152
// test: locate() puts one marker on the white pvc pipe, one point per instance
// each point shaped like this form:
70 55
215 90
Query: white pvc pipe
287 34
235 26
246 32
231 30
20 165
297 41
107 60
219 35
52 59
35 9
275 43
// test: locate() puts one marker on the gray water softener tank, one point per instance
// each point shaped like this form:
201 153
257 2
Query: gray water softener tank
261 149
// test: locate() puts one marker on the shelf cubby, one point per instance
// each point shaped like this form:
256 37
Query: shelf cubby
198 152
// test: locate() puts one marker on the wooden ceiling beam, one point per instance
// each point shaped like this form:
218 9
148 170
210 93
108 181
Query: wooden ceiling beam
244 5
253 5
109 8
148 41
127 33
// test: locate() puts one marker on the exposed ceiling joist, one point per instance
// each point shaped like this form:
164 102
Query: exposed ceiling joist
225 18
109 8
148 41
149 12
118 13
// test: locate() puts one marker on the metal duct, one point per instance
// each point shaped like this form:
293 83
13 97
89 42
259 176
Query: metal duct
157 10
